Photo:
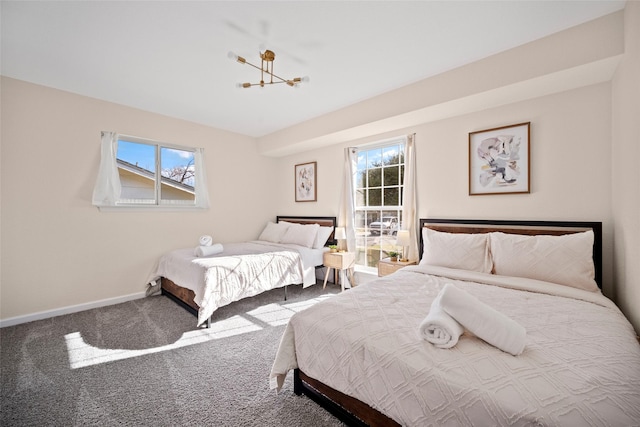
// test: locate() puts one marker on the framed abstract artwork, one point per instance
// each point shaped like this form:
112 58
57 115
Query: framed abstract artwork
499 161
306 182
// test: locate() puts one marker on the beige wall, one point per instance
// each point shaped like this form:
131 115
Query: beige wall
625 170
57 249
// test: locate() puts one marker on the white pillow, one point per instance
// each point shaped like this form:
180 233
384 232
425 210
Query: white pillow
456 250
299 234
322 236
565 260
273 232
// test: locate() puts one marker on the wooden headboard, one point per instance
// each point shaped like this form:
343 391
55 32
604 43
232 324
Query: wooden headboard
553 228
324 221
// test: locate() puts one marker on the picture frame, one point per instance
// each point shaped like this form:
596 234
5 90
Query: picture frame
499 160
306 182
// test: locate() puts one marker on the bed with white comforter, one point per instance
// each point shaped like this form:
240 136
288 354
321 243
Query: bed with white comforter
580 365
241 270
413 348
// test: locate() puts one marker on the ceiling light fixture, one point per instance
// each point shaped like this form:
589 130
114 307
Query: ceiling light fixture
266 67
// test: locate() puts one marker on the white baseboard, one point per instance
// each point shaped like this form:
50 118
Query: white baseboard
68 310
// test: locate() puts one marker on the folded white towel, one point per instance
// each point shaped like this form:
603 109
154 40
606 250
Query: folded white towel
439 328
482 320
202 251
206 240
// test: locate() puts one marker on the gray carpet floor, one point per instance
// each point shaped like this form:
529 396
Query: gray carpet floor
144 363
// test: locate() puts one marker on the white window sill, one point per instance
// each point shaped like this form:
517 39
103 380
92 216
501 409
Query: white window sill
150 208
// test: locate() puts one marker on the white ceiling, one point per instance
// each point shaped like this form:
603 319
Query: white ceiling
170 57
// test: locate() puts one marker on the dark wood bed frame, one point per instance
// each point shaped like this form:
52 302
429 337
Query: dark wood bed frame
352 411
185 297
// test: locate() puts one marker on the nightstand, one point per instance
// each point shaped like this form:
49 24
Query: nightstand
386 266
339 261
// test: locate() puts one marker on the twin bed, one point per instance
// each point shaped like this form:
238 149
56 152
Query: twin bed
287 252
360 355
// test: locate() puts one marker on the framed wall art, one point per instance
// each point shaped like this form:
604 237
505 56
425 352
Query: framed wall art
305 181
499 161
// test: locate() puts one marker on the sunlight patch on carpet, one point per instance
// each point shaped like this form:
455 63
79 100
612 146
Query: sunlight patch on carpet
82 354
279 314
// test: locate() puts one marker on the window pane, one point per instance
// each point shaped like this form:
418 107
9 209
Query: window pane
360 199
373 216
137 170
373 256
391 196
362 160
375 197
361 179
391 175
375 177
360 222
135 153
374 158
178 176
391 155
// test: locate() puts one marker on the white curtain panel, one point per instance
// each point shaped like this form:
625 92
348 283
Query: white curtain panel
346 212
202 193
107 189
409 206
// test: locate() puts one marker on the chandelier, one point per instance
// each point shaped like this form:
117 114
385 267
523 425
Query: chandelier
266 68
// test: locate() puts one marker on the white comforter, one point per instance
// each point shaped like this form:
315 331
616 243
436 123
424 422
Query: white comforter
580 365
241 270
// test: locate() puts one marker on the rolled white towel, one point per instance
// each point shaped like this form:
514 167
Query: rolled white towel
202 251
206 240
483 321
439 328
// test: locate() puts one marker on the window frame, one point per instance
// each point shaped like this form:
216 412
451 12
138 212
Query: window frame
362 212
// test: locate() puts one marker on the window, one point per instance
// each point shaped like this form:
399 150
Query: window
155 174
378 201
136 172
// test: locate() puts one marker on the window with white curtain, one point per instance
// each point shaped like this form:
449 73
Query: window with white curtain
138 172
378 193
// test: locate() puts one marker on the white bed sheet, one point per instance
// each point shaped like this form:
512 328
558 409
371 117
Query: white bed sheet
580 366
241 270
